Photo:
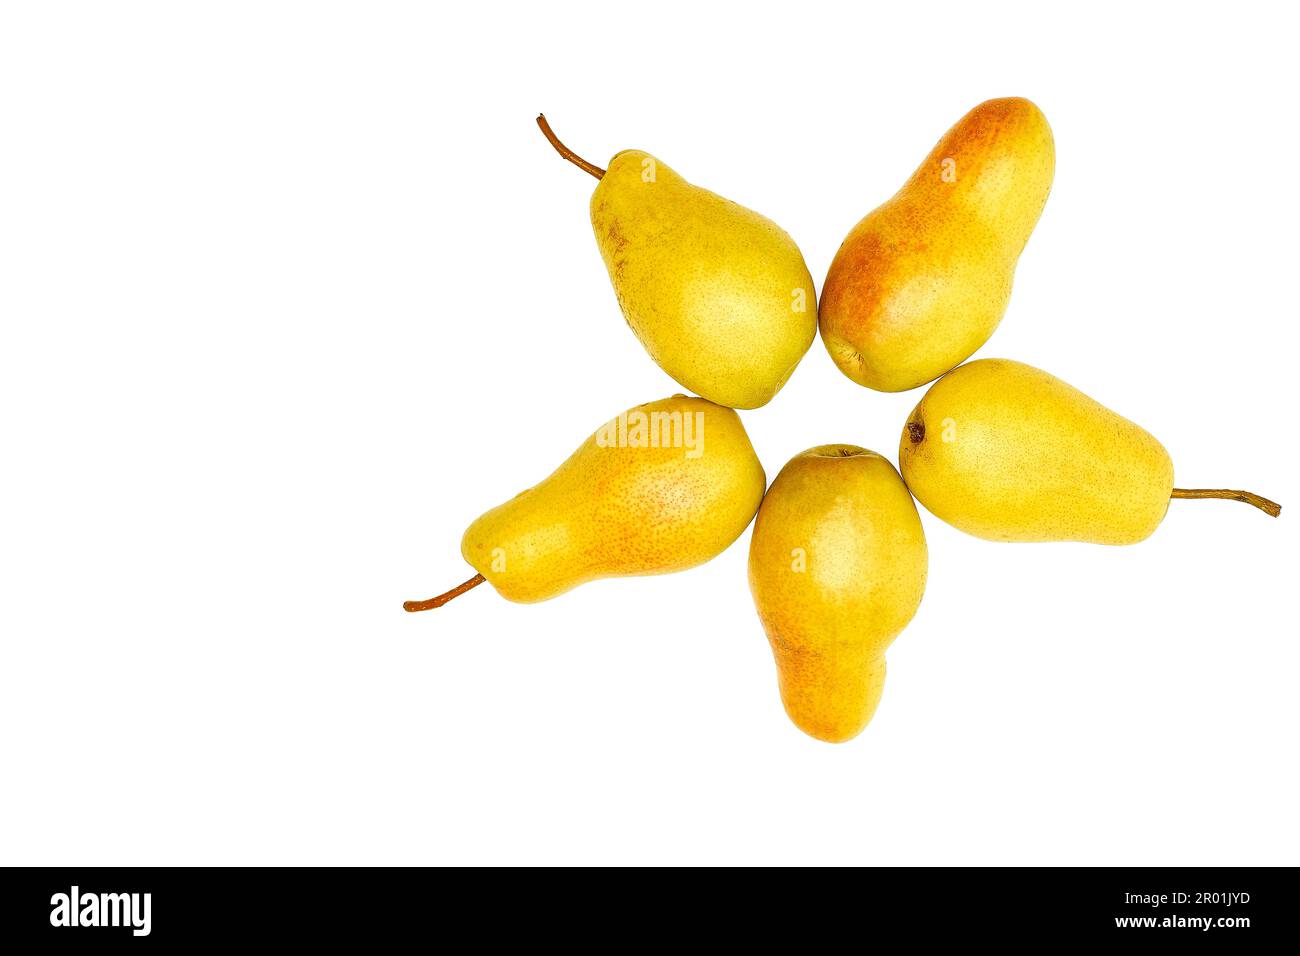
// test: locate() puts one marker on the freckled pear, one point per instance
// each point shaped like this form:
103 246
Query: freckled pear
1007 452
719 296
923 280
837 567
662 487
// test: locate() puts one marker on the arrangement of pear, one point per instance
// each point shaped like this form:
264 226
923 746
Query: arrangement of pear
662 487
1007 452
837 566
923 281
719 296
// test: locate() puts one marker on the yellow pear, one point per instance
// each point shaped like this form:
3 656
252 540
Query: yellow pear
837 566
661 487
1007 452
719 296
922 281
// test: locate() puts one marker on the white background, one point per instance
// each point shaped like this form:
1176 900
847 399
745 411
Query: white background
292 292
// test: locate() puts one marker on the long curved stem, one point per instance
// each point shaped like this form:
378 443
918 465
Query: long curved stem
442 599
564 151
1249 497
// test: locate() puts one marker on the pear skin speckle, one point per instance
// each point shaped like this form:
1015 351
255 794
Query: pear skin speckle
620 507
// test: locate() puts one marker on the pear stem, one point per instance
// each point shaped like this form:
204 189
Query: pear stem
1249 497
442 599
564 151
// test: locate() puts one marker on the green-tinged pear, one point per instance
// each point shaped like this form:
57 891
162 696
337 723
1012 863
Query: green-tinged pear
718 295
1007 452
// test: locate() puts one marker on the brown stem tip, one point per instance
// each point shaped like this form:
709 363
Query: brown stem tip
564 151
442 599
1249 497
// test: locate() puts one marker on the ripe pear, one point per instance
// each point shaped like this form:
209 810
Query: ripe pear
837 566
1007 452
661 487
923 281
719 296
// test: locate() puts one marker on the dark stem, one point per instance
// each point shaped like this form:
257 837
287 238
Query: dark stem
442 599
1263 504
564 151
